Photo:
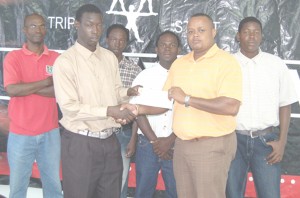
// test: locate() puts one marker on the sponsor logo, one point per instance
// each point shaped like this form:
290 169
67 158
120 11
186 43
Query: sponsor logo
49 70
132 14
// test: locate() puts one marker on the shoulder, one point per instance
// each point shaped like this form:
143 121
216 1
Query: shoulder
65 59
14 53
270 57
106 52
53 53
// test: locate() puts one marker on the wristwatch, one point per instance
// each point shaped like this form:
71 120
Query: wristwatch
187 101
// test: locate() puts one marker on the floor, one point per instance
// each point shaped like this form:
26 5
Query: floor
32 192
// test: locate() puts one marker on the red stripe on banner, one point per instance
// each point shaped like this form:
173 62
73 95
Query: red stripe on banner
290 184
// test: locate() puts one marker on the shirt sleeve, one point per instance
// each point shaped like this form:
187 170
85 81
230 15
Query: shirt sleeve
229 81
11 71
287 94
67 96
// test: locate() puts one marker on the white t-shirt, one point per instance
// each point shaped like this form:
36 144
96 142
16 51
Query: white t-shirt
155 78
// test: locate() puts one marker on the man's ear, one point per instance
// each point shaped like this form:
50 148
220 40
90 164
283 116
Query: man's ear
214 32
76 24
179 50
237 37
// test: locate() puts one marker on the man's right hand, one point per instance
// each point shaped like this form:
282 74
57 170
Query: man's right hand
122 116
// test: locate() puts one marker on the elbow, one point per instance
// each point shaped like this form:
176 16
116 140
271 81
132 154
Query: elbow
10 91
234 110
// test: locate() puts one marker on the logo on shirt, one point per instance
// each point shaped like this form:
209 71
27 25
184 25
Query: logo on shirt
132 15
49 70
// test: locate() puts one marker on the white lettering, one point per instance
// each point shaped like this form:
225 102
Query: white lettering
61 22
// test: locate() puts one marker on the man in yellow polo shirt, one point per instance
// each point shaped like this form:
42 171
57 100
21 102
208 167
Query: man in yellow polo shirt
206 85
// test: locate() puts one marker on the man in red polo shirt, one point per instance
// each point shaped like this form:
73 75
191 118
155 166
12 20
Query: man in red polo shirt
33 132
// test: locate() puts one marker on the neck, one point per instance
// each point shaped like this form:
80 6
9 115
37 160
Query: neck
200 53
249 54
166 64
119 57
89 47
36 48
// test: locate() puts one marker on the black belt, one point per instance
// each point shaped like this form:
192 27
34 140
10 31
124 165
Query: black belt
254 134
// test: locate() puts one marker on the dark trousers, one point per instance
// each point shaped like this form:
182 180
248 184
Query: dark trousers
92 167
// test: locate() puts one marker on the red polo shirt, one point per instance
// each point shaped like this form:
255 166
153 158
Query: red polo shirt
32 114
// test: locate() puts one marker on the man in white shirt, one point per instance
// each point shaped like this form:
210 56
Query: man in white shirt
264 116
155 141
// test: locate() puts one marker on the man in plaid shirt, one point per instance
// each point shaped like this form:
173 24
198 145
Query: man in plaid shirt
117 37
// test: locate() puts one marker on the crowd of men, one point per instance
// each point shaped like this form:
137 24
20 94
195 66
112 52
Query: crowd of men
229 113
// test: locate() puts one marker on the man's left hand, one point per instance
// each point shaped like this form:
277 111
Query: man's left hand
162 145
133 91
277 153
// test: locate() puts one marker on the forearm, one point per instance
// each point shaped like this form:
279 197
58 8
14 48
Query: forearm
220 105
134 132
46 92
25 89
148 110
145 127
172 138
284 119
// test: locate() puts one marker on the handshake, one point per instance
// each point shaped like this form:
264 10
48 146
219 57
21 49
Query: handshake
124 113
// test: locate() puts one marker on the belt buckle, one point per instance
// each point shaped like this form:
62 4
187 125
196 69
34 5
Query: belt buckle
251 134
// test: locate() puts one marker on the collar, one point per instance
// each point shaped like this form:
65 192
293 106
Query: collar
28 52
162 68
124 59
85 52
210 53
245 60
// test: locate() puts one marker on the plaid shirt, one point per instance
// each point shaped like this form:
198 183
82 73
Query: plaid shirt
128 71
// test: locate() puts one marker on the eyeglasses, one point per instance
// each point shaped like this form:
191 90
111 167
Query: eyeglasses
34 26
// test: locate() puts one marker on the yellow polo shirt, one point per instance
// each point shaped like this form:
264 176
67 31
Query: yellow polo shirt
215 74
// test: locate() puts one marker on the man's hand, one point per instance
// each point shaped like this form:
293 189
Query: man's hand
133 91
131 107
163 146
277 153
177 94
130 149
48 81
122 116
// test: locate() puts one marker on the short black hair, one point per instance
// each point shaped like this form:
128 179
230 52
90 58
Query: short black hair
117 26
249 19
32 14
86 8
204 15
168 32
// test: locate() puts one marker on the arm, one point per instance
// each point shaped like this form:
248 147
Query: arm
125 115
25 89
148 110
132 143
145 127
220 105
161 145
279 146
47 92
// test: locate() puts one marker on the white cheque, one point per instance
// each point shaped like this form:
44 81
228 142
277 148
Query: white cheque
154 98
